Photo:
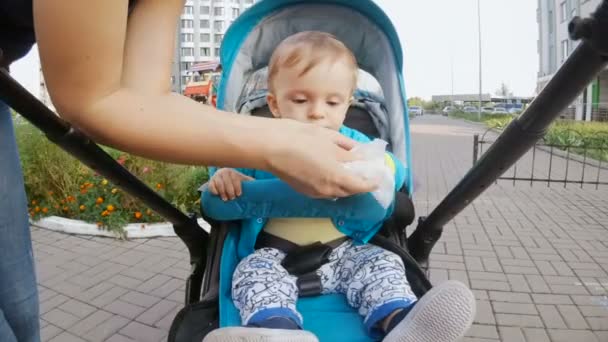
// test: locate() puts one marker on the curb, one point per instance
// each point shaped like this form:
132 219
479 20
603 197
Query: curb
132 231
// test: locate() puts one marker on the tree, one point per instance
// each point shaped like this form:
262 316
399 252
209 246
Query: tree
504 90
415 101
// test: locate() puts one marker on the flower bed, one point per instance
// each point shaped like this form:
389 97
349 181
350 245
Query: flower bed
59 185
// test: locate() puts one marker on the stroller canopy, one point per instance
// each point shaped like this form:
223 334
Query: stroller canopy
360 24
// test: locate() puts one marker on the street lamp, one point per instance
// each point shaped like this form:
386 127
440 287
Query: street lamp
479 35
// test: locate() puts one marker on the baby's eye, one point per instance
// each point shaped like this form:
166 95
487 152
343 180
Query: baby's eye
333 103
298 101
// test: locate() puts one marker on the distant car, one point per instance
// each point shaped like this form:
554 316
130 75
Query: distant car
416 110
487 110
470 109
499 110
515 110
447 110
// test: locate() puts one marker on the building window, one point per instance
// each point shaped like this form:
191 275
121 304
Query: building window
205 37
205 52
216 1
249 1
563 9
188 10
218 25
218 38
218 11
186 23
235 12
204 23
565 50
204 9
184 80
185 65
187 37
217 52
187 52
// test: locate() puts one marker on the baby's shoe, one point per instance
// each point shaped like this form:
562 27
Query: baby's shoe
443 314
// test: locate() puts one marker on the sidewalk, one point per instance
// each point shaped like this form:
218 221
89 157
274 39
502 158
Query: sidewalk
536 258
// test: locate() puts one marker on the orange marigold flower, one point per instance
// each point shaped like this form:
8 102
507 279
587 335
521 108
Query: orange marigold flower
104 182
159 186
137 215
105 213
62 201
45 210
114 191
82 207
66 208
110 207
99 224
56 206
50 193
99 200
37 209
149 212
34 202
89 185
81 187
83 191
70 198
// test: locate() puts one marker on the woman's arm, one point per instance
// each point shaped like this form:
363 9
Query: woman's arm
109 75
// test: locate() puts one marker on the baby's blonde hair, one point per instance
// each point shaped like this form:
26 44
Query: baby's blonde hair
309 48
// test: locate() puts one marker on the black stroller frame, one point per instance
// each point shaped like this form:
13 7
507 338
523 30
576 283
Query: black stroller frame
585 63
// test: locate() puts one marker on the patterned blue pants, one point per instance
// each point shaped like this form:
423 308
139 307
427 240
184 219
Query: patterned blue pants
372 279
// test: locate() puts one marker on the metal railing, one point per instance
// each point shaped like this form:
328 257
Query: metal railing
569 158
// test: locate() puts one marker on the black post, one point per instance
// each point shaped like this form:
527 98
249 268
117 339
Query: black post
585 63
475 148
80 146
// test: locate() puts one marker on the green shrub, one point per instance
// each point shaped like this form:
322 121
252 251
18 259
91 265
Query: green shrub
58 184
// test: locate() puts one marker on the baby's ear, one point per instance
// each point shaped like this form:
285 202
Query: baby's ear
272 105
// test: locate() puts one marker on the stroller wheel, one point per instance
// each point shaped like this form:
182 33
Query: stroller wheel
245 334
443 314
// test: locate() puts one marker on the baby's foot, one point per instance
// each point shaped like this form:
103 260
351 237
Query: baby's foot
443 314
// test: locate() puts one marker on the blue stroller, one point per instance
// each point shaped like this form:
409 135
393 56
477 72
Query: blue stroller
367 31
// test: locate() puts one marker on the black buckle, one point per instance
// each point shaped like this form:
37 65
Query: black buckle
309 284
306 259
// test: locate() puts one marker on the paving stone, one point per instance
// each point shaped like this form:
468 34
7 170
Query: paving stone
537 283
140 299
519 320
511 334
52 303
598 323
107 328
593 311
488 276
514 308
66 337
490 285
491 265
141 332
483 331
89 323
510 297
109 296
49 331
540 298
156 312
124 309
119 338
77 308
60 318
536 335
551 316
484 314
572 335
573 318
518 283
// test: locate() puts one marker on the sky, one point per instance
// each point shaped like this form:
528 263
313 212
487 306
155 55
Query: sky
439 36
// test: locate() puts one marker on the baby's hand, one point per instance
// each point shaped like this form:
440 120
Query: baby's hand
226 183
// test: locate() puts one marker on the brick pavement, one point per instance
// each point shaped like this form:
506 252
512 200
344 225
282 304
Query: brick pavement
536 258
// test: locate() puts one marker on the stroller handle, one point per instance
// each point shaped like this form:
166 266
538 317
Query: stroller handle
583 65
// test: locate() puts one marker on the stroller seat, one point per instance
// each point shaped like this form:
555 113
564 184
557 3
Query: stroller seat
245 51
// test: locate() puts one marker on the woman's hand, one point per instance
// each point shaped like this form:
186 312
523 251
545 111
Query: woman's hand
309 158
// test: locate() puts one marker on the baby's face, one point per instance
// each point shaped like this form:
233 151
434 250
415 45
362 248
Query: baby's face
321 96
